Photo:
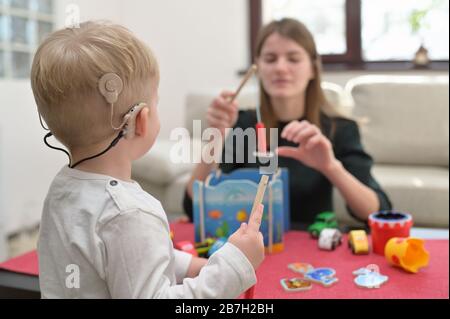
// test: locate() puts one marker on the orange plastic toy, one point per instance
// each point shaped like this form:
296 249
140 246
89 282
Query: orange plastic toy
407 253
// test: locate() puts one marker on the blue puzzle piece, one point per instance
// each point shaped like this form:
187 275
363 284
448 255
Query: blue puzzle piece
323 276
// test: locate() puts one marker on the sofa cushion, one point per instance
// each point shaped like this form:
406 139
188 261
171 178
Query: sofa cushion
419 190
173 200
157 167
407 118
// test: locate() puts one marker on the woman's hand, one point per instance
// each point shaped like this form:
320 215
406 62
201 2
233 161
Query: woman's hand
222 114
314 150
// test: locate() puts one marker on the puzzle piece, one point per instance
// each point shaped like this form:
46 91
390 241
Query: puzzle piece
323 276
369 277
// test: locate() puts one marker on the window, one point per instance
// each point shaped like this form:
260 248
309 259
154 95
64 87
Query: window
411 23
23 25
365 34
325 19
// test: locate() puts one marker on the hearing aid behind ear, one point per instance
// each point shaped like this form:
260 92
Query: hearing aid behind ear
110 86
129 130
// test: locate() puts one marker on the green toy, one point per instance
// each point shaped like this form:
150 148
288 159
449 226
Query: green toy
203 248
322 221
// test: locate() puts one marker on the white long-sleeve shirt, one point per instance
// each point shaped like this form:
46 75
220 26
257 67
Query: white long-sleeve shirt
104 238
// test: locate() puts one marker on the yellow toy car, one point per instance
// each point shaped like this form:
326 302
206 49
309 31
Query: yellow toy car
358 242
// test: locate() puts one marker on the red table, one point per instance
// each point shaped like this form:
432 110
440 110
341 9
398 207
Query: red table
430 283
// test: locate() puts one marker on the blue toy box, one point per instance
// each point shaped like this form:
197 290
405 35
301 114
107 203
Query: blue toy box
224 201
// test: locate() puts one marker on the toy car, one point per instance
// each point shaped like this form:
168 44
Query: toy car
187 247
358 242
322 221
330 239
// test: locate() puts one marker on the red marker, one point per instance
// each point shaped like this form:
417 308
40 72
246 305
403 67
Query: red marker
262 140
261 132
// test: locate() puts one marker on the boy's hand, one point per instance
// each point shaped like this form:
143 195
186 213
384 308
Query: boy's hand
249 239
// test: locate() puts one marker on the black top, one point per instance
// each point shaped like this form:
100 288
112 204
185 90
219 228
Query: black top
310 191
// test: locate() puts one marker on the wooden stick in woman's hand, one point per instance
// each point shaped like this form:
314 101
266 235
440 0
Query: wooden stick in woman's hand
247 77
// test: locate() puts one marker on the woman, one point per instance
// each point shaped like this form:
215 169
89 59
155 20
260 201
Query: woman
321 150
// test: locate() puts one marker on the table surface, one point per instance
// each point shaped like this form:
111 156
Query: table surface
430 283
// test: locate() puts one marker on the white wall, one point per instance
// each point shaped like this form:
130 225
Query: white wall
26 165
200 44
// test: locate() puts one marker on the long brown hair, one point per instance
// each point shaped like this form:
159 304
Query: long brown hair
315 96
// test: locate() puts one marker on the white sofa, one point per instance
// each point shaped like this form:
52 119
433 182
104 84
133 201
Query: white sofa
404 127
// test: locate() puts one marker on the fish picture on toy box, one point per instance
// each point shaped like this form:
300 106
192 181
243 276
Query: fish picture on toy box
223 203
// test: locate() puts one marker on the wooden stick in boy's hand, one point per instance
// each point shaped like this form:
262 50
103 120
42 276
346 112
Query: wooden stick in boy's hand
254 222
256 214
248 238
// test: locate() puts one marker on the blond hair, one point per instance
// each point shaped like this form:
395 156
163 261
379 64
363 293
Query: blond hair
65 74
